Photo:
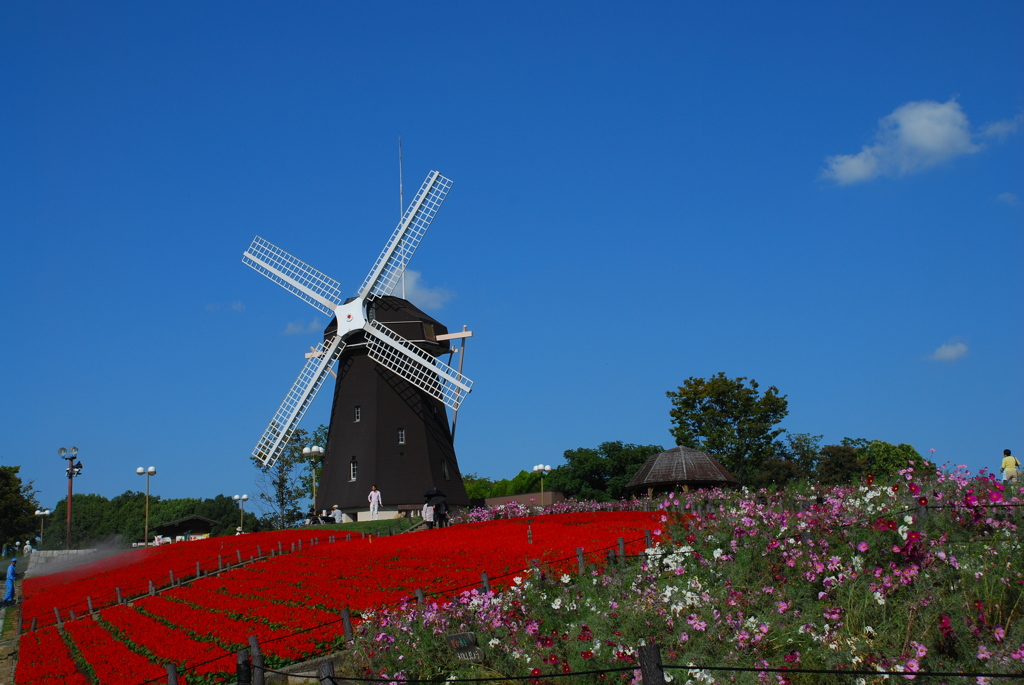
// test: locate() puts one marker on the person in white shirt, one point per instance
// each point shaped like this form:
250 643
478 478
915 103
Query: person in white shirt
428 515
374 499
336 513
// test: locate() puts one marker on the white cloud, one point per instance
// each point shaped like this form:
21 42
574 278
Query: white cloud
420 295
915 137
1008 198
949 352
1001 129
297 327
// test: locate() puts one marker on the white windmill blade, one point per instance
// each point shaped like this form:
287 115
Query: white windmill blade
391 263
294 275
430 375
298 399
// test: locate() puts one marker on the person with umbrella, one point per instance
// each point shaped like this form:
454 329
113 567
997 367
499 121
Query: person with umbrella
438 503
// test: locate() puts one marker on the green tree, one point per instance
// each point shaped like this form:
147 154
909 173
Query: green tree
803 449
728 419
90 523
280 486
600 474
477 487
840 465
884 459
17 506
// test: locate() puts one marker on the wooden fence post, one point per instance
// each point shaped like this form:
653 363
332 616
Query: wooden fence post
34 618
239 555
152 590
348 537
279 550
346 622
622 550
257 661
529 533
60 623
243 670
324 672
580 561
648 540
259 552
118 591
650 665
220 562
171 573
71 614
420 599
485 582
199 570
611 558
88 600
172 674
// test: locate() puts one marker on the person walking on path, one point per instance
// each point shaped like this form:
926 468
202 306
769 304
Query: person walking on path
12 573
374 499
1009 467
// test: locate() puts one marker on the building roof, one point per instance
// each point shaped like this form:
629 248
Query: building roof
681 466
193 524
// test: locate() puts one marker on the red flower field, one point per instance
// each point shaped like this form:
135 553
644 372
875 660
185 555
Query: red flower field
292 602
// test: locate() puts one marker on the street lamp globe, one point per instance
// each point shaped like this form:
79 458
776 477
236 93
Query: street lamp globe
151 471
141 471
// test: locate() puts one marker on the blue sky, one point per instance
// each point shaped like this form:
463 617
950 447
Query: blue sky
825 198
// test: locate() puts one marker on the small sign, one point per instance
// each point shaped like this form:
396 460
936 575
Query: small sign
465 647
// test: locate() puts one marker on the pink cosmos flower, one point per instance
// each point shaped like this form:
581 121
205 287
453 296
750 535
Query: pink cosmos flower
983 653
862 547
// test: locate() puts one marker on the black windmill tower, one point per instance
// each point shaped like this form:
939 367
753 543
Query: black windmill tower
389 422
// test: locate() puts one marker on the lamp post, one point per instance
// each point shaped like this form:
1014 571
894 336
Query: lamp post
313 453
42 514
241 499
151 471
72 471
544 469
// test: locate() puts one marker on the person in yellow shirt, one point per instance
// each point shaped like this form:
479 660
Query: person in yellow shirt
1009 467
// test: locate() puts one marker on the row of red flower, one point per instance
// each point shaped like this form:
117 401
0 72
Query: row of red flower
203 622
131 572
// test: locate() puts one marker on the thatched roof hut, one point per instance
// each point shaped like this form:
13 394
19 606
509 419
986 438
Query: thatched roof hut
679 466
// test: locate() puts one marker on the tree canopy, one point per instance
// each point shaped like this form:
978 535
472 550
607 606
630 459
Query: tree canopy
600 474
17 506
121 520
728 419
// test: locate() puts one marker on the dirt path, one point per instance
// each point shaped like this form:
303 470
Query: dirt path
8 643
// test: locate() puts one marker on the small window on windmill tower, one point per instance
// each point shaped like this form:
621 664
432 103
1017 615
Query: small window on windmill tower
444 469
401 436
357 414
428 332
352 467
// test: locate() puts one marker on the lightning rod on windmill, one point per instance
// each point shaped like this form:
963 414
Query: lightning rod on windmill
401 201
